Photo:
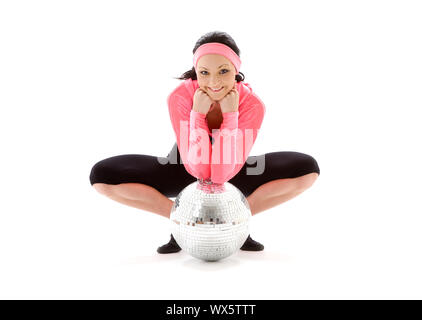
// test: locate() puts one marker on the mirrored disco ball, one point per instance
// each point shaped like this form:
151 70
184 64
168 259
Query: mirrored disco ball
210 221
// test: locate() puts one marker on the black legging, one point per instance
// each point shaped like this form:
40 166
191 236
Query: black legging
170 178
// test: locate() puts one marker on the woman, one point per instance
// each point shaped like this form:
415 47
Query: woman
213 100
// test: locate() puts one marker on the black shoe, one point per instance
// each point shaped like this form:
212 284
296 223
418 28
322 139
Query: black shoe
251 245
170 247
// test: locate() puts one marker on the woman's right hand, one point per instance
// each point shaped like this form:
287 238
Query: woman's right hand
201 101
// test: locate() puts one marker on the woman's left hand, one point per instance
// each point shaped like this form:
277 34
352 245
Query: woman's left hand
230 102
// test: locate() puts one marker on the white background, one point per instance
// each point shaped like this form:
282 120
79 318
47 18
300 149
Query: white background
81 81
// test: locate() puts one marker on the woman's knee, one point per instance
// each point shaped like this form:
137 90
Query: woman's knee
305 164
311 164
309 171
98 174
123 168
110 176
306 181
103 188
290 164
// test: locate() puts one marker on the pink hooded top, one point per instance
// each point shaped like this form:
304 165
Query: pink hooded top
222 159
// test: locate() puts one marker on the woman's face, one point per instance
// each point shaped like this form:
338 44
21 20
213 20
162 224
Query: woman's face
215 71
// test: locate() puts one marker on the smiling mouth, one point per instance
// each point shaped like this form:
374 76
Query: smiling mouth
216 90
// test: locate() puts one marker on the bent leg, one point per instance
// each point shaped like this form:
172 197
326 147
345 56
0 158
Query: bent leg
286 175
141 181
278 191
141 196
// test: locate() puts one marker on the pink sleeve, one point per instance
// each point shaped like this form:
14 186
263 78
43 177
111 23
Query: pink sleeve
234 139
191 131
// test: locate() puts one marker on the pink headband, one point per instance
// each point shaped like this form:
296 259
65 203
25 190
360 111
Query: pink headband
217 48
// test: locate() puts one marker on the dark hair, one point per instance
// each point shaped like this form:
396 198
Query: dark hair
214 36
